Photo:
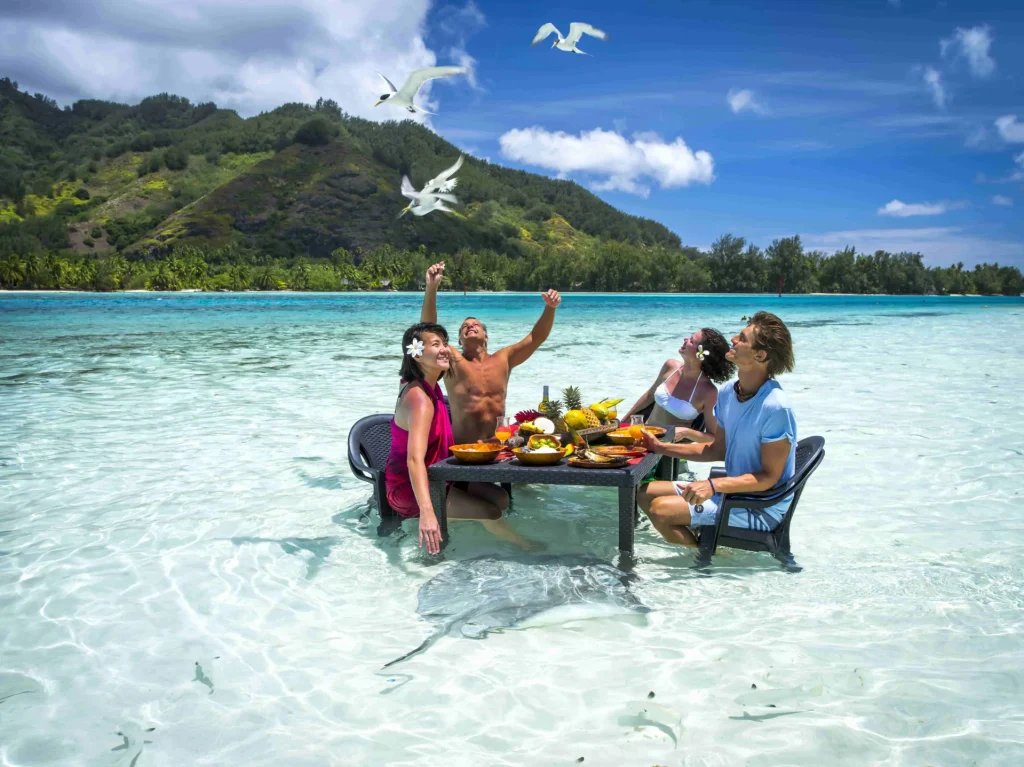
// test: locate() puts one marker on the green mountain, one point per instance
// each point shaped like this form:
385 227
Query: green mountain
168 194
296 181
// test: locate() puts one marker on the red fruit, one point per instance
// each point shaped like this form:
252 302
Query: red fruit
528 415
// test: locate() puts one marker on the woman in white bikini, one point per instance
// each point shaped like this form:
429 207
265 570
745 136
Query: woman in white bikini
687 388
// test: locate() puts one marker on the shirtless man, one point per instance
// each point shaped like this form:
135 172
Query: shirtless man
477 380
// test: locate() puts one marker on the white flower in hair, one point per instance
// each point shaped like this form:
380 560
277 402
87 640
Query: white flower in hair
701 353
415 349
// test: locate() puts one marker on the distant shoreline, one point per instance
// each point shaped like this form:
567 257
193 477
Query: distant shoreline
483 292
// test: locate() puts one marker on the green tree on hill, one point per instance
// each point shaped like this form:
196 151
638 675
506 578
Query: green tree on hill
315 132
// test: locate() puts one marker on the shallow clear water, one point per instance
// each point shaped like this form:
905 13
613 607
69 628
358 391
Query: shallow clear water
189 574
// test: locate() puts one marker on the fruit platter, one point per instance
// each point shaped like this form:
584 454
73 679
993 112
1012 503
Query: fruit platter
542 450
559 416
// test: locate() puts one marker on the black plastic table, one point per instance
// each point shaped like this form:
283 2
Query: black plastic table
626 479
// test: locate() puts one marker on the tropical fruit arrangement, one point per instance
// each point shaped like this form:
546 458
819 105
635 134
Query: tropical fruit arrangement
558 416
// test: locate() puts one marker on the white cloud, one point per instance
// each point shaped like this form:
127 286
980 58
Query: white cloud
250 57
901 209
1018 175
999 199
459 57
459 24
977 137
740 100
973 44
622 162
933 80
1011 130
939 245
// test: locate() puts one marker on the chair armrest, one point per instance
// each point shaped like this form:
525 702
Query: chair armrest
357 462
766 498
361 469
717 472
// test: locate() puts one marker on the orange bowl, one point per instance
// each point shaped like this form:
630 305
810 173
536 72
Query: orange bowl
620 437
623 437
478 452
542 459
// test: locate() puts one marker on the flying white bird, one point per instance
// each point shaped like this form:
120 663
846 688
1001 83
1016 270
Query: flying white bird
568 44
434 193
404 97
429 206
443 181
423 202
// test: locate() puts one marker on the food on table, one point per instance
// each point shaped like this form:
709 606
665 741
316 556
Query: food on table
586 453
543 440
578 417
553 410
476 452
538 426
556 416
525 416
614 450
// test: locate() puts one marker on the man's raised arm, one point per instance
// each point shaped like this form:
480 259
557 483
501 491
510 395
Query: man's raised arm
519 353
429 311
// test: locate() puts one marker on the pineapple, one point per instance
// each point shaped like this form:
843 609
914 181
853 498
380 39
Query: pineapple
574 401
553 411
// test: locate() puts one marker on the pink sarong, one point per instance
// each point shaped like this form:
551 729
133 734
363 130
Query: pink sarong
400 494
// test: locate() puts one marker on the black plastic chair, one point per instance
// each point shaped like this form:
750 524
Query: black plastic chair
810 452
368 444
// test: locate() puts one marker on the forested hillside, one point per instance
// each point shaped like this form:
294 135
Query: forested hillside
168 194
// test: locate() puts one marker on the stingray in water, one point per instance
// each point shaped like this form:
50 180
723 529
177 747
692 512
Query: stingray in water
484 595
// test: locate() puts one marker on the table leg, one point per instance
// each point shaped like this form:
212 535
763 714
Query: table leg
439 500
627 509
666 468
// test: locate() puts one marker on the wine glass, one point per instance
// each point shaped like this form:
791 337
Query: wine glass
636 427
503 429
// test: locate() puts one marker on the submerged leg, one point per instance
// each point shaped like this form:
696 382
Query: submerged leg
464 505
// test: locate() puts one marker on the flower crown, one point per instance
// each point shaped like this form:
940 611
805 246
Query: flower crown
415 349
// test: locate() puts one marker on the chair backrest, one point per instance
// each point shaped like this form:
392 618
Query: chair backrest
808 452
369 442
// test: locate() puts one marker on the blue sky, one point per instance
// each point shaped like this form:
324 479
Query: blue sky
880 124
842 120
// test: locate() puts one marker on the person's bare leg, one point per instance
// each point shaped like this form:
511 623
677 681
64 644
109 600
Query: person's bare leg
671 517
647 493
491 493
496 495
463 505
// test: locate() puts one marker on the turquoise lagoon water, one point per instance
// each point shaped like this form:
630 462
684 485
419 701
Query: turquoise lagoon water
189 575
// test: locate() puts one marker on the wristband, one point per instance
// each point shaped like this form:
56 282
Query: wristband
713 491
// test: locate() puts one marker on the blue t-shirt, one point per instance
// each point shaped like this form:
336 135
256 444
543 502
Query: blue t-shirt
767 417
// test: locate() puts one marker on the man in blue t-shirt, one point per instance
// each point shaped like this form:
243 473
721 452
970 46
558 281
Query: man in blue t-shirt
756 437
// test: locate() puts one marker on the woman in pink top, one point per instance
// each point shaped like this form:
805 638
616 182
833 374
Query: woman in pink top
421 434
